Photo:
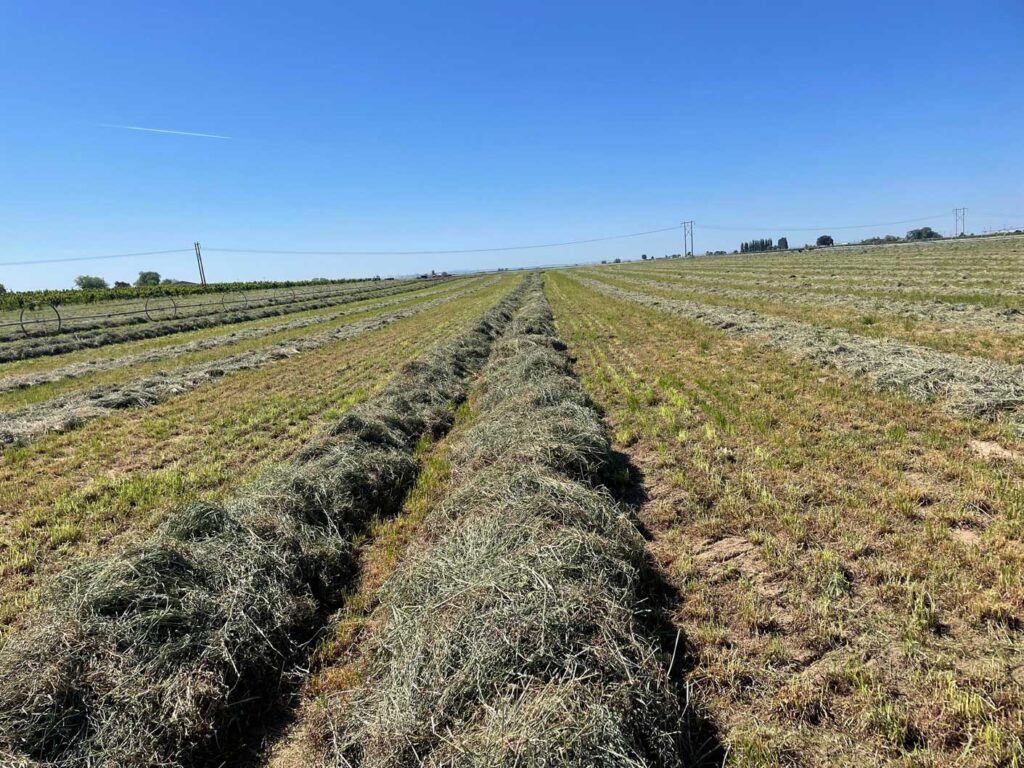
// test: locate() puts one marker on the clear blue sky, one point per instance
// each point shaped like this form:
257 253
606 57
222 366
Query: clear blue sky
420 126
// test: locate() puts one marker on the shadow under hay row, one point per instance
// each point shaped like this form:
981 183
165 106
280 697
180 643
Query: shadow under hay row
528 625
78 339
70 411
169 652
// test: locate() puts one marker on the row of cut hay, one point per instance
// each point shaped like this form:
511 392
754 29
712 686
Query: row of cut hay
517 633
164 653
88 367
72 410
966 386
43 346
922 281
97 316
944 313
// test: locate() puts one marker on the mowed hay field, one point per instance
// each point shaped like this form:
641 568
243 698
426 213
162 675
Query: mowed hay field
847 546
748 511
92 488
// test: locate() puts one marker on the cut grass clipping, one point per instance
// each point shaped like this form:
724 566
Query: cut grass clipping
90 339
87 367
72 410
164 654
966 386
516 634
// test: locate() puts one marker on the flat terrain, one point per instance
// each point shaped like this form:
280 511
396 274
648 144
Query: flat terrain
760 510
849 562
95 487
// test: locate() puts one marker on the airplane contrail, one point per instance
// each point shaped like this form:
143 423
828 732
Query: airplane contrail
163 130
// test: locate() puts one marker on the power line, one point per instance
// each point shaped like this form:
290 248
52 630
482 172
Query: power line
93 258
335 253
439 252
823 227
453 251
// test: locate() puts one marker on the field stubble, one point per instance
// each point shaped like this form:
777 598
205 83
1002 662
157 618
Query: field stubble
849 565
92 490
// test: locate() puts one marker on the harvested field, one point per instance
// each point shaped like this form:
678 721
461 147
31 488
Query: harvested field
166 650
99 487
754 511
71 411
21 349
966 386
43 319
847 562
74 370
517 633
933 311
937 325
985 272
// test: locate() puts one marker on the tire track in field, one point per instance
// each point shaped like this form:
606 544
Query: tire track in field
86 367
967 386
71 411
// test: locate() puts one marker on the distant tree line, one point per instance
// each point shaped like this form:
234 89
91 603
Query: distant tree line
922 233
763 244
759 245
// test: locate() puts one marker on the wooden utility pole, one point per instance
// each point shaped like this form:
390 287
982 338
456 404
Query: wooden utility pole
199 261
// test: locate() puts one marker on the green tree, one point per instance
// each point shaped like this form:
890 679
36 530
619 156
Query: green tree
783 244
86 282
147 278
3 288
924 233
825 240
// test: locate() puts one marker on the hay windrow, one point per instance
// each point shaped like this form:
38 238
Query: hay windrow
87 367
100 336
1001 320
517 633
70 411
965 386
165 652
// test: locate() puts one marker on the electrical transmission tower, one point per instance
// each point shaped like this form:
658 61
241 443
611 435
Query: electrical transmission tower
688 238
959 221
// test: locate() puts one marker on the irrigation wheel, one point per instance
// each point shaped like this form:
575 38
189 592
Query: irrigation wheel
40 319
161 308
